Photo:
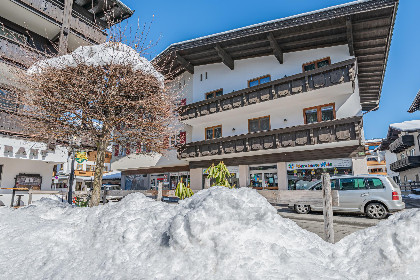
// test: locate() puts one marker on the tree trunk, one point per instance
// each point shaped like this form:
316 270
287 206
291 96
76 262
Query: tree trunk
99 171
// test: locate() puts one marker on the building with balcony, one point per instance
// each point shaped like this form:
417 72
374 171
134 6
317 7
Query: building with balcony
31 30
403 140
378 160
281 101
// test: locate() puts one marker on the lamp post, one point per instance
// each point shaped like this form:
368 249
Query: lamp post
75 142
71 178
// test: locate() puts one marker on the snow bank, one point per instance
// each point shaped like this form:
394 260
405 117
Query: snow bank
100 55
217 234
407 125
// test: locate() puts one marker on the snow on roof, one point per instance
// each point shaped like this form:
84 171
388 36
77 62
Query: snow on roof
218 233
100 55
406 126
373 140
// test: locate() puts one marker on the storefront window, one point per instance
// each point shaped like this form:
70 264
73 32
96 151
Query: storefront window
263 177
304 175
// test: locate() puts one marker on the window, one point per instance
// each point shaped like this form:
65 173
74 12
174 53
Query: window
259 124
214 132
215 93
316 64
352 184
374 183
8 100
259 81
79 167
412 152
319 113
402 156
12 35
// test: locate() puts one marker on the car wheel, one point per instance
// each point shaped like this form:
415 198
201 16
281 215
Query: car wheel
302 209
376 210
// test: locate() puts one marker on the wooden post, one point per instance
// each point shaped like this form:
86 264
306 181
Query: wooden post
30 197
207 183
104 196
327 205
159 194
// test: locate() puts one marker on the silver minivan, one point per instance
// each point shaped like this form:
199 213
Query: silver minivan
373 195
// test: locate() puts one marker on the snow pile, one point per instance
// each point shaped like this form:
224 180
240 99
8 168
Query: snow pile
390 250
407 125
100 55
217 234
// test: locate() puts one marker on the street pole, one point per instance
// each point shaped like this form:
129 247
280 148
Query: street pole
71 179
327 208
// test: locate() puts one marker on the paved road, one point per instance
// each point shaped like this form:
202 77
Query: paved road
344 224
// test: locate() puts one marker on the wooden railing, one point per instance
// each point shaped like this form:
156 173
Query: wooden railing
302 135
405 163
401 143
11 124
53 10
22 55
334 74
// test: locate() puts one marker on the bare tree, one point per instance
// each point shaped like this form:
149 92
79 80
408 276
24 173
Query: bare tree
100 94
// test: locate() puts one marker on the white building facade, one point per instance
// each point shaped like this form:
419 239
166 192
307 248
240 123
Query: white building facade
279 102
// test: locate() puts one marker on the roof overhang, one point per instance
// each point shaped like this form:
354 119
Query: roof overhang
366 26
416 104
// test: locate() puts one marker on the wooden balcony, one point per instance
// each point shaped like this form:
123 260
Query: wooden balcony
11 124
401 143
53 10
327 76
303 135
22 56
405 163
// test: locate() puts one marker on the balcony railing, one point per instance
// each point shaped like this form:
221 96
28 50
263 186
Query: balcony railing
405 163
402 143
54 11
10 124
327 76
302 135
23 55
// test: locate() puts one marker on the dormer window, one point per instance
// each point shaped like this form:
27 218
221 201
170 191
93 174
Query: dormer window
215 93
316 64
259 81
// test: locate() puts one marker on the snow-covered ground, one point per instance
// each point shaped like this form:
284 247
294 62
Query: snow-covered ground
217 234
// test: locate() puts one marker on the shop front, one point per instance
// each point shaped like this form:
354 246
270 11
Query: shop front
176 177
302 175
233 180
263 176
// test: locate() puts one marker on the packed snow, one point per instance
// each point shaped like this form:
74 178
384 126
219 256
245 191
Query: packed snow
216 234
407 125
100 55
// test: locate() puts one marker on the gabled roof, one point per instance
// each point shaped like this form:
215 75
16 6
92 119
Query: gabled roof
366 26
416 104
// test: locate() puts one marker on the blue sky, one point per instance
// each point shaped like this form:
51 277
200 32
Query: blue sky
176 21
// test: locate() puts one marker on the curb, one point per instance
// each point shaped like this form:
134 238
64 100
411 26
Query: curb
336 221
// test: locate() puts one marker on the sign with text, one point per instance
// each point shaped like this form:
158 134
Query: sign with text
314 164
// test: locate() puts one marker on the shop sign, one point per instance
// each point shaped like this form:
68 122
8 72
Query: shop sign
184 173
173 174
314 164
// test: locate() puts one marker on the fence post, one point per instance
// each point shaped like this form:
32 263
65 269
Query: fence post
30 197
159 194
207 183
327 208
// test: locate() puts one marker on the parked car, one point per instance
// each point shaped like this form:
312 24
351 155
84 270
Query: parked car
373 195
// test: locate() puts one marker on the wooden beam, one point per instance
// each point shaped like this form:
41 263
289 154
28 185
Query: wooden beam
226 58
278 53
186 64
350 35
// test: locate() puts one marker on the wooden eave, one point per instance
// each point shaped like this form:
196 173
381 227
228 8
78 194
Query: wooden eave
365 26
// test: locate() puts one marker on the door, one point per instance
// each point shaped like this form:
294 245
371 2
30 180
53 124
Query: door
352 193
